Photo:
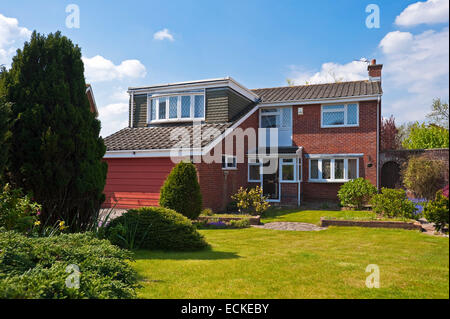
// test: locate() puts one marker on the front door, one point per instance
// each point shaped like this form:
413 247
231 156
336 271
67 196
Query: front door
270 186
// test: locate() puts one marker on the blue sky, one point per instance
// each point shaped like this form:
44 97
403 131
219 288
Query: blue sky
259 43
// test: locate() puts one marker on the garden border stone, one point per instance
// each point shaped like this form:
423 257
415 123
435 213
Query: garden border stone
371 223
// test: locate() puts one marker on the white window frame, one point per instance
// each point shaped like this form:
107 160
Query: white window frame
167 97
254 162
294 163
332 167
322 111
229 159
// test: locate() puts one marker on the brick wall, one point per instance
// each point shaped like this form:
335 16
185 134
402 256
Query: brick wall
217 185
316 140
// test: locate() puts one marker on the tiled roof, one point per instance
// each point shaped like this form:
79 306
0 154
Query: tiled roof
319 91
159 137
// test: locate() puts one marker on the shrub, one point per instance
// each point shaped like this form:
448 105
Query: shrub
393 203
181 191
423 176
241 223
232 224
207 212
356 193
437 211
36 267
251 201
232 207
17 212
154 228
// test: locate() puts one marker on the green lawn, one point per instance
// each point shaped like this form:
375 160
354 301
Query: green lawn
260 263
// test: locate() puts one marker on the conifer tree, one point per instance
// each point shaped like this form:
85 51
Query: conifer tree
55 152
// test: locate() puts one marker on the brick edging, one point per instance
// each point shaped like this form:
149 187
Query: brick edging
370 223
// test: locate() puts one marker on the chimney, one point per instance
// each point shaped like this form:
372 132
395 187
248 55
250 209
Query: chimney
374 71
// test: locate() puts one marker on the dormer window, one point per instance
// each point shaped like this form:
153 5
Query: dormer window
176 107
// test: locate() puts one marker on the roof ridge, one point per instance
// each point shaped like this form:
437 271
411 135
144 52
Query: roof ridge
308 85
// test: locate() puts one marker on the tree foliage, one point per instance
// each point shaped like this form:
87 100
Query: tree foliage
181 191
439 113
55 148
388 134
5 110
424 136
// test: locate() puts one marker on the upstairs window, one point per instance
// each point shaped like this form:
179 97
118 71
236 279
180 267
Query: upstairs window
340 115
181 107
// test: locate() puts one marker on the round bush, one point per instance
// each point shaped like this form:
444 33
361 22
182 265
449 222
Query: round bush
356 193
394 203
181 191
155 228
437 211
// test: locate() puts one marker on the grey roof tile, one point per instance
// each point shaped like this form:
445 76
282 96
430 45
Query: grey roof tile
318 91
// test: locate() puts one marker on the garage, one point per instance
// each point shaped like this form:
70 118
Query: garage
135 182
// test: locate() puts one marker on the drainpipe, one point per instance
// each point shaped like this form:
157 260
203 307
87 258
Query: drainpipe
299 154
378 141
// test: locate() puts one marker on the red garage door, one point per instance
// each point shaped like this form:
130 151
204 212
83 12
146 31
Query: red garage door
135 182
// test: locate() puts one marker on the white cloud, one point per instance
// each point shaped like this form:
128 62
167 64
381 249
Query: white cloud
429 12
415 71
98 69
331 72
114 115
163 35
12 37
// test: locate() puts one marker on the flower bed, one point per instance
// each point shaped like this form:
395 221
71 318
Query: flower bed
254 220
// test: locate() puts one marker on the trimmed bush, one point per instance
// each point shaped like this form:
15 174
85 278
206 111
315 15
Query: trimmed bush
36 267
424 177
393 203
181 191
356 193
437 211
154 228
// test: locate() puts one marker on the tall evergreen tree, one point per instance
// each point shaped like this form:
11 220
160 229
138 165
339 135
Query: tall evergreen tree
4 125
56 150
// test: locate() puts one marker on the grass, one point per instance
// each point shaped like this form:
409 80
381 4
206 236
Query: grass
262 263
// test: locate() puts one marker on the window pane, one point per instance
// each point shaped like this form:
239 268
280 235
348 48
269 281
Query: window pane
299 172
352 114
339 169
162 108
199 110
224 164
352 170
333 107
231 162
269 110
326 169
173 101
153 110
254 173
185 106
288 172
333 118
314 169
269 121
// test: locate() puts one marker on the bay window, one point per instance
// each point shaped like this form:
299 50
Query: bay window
333 169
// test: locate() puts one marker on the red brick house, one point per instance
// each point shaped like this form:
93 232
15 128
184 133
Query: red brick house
317 136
